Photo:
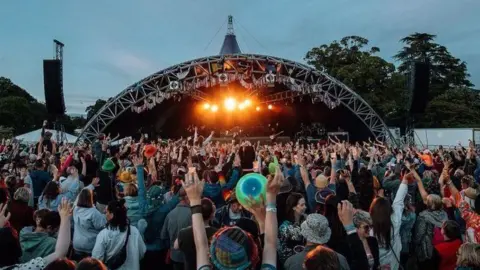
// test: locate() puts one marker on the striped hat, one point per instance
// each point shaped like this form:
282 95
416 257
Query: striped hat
232 248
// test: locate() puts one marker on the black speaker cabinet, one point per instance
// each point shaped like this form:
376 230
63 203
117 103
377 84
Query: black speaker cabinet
53 82
419 85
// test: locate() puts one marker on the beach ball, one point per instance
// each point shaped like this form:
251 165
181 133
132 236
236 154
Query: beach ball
252 185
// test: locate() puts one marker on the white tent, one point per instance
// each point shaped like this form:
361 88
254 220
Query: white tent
34 136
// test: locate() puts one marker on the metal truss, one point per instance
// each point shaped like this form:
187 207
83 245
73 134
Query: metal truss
300 79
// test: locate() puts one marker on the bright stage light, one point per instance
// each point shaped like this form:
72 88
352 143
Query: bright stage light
258 108
206 106
230 104
241 106
214 108
270 107
247 102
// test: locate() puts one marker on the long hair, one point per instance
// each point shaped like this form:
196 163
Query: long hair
9 247
50 192
85 198
331 213
381 212
119 220
292 201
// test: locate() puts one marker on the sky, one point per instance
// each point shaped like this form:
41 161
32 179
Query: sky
110 45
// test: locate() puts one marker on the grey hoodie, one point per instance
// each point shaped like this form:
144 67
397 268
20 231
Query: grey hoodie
88 222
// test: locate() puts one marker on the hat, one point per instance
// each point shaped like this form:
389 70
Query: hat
315 229
126 177
322 194
321 181
149 150
155 196
108 165
471 193
231 248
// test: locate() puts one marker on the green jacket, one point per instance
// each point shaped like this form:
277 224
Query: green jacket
35 244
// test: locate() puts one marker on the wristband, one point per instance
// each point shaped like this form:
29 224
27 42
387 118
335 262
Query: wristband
271 205
272 209
196 209
349 227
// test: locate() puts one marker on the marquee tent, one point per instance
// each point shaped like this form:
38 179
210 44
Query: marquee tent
34 136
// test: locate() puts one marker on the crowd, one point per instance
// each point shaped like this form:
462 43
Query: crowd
169 204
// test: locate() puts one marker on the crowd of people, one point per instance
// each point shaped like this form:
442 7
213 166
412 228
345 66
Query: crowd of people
171 204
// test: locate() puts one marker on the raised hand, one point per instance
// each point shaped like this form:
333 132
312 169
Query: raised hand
345 212
3 219
275 182
65 209
193 187
137 161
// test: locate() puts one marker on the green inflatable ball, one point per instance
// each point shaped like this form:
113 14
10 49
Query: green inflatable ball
252 186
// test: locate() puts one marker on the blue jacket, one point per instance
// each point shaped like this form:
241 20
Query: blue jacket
156 217
39 181
88 222
213 191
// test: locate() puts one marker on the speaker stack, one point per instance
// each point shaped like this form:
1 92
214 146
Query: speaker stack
419 83
53 83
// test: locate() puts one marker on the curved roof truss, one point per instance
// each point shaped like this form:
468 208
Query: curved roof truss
189 78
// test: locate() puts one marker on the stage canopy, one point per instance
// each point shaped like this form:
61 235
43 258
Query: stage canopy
34 136
164 103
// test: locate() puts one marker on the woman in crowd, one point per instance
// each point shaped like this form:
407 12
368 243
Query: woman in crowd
51 196
363 223
108 246
21 213
468 257
290 233
88 222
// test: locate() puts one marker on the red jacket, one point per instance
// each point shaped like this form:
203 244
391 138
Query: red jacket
448 254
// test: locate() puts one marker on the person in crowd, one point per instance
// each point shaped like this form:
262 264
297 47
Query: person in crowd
38 179
290 233
468 257
52 196
445 253
363 224
39 241
386 222
108 246
177 219
321 258
21 213
230 213
10 246
61 264
91 264
185 240
88 222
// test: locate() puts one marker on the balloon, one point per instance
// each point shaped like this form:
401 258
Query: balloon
252 186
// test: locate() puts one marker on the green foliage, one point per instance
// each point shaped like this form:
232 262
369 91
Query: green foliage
23 113
451 101
93 109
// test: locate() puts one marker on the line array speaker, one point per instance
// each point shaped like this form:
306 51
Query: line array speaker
419 83
53 83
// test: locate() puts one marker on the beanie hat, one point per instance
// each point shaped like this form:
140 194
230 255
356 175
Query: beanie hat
233 249
108 165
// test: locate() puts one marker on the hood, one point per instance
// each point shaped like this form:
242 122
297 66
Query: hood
31 240
435 217
132 202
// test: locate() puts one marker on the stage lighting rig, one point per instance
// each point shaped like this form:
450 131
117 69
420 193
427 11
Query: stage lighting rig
174 86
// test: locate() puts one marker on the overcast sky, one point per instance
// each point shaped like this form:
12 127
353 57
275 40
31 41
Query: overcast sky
112 44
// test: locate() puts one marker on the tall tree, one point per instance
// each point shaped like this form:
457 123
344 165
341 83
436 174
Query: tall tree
446 70
355 64
93 109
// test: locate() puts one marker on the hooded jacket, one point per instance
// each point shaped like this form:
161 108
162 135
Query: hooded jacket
88 222
35 244
424 228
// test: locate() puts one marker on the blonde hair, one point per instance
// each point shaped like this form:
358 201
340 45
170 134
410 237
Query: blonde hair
22 194
434 202
469 255
131 190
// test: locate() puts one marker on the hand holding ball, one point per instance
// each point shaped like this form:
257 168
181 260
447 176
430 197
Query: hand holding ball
251 188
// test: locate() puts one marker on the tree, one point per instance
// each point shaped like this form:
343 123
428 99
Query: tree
446 70
93 109
369 75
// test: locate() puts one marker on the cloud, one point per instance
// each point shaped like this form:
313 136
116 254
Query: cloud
128 62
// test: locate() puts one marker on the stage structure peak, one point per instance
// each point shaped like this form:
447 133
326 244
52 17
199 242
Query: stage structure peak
230 44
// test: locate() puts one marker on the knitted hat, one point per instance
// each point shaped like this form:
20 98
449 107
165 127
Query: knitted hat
108 165
155 196
233 249
315 229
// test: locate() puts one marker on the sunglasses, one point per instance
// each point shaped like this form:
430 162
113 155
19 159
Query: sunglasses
366 227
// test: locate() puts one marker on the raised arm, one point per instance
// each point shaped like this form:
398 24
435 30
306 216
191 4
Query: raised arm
63 240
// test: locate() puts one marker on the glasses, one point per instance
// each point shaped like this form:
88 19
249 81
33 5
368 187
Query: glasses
366 227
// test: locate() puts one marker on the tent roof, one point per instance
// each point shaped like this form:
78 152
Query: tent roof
34 136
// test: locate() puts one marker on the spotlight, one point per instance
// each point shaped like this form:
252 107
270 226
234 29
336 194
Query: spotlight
174 85
241 106
230 104
206 106
214 108
258 108
270 107
247 102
